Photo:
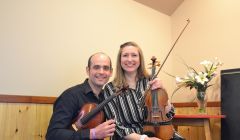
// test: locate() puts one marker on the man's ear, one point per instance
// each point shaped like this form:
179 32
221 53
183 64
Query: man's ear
87 70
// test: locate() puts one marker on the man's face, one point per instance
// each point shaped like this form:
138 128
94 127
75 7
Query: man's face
99 71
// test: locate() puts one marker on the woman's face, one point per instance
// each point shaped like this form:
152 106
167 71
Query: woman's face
130 59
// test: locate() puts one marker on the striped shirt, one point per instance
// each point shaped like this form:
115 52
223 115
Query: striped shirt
126 109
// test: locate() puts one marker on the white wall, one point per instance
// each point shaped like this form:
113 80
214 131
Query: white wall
213 32
45 44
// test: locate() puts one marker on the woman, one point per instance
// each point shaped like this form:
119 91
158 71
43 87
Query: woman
125 108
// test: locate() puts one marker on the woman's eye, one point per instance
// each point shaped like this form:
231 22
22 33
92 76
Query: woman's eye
134 55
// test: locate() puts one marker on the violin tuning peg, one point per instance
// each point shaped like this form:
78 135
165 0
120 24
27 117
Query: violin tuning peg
153 58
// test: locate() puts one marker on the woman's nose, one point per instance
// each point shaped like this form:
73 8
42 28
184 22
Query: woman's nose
129 58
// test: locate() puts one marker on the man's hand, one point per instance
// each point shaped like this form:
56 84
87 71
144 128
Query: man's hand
103 130
151 138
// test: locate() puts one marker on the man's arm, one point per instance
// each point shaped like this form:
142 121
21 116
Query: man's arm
65 108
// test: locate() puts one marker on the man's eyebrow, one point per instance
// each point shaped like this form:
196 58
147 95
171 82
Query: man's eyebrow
104 66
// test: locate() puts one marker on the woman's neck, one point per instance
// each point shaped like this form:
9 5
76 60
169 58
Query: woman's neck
131 79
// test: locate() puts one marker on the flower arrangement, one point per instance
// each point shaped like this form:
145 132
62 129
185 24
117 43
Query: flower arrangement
198 80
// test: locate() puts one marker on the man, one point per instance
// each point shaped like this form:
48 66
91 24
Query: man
68 104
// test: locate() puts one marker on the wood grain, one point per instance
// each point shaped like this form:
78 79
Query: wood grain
27 118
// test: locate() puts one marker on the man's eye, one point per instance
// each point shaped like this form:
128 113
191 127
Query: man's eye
106 68
96 67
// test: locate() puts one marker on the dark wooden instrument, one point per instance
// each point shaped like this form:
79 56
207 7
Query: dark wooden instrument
156 102
91 115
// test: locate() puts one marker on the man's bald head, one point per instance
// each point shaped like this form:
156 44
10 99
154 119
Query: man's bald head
98 53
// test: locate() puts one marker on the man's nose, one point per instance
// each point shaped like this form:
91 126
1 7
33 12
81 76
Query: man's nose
101 70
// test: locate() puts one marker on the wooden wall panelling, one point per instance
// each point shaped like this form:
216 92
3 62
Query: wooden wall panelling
24 121
44 112
27 118
8 122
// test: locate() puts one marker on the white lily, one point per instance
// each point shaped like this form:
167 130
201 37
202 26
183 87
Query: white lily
201 78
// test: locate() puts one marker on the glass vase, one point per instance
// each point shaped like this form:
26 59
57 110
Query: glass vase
201 101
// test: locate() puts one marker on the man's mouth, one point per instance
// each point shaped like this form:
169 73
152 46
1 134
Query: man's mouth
101 78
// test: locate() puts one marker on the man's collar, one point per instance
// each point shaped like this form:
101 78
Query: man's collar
87 87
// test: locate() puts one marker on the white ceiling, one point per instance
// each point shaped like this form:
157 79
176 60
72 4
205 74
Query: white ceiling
164 6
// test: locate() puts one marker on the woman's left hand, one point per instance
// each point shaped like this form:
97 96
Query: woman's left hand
156 84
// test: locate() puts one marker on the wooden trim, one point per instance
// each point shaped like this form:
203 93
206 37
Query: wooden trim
194 104
27 99
51 100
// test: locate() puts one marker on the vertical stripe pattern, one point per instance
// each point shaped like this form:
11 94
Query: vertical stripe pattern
125 108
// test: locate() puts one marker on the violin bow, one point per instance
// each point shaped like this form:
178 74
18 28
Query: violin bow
188 21
156 74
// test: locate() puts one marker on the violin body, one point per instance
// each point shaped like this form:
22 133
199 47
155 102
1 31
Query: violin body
91 114
156 120
93 122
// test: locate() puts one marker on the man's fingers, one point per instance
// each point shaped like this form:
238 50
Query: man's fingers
110 134
110 121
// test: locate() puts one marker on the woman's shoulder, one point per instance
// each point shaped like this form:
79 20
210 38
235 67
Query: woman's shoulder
109 85
109 88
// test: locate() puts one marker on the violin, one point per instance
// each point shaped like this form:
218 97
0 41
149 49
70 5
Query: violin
91 114
156 120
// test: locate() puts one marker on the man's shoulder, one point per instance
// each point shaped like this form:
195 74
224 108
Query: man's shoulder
73 91
78 88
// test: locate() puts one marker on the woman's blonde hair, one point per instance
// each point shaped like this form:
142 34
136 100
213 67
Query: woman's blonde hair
119 79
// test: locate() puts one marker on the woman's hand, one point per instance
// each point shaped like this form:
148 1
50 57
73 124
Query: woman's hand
156 84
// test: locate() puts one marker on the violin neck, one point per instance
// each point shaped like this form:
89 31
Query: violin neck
155 104
154 93
91 114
